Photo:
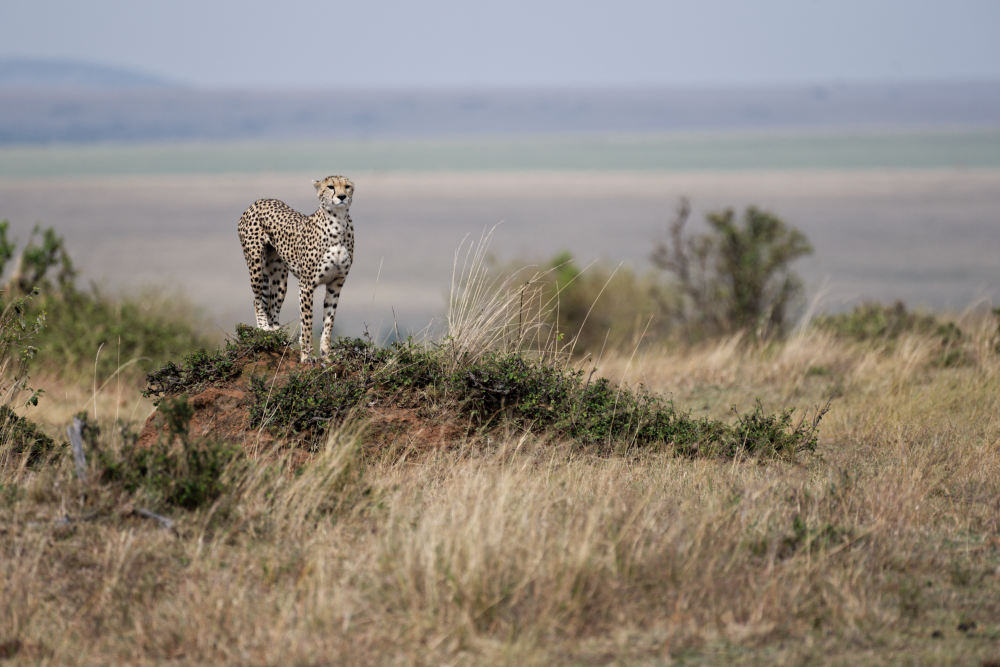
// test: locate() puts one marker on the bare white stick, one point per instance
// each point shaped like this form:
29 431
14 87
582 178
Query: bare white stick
75 433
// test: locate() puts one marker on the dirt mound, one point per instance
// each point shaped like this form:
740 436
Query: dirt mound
222 412
419 397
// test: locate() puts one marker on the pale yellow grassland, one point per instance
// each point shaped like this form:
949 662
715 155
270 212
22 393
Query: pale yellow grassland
527 551
110 399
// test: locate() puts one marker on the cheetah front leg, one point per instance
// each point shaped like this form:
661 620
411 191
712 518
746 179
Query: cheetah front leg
306 321
329 312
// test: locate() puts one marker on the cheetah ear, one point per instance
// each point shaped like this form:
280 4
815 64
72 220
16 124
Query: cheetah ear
317 184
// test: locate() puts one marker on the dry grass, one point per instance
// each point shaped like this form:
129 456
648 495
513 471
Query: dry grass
877 549
109 399
882 547
488 312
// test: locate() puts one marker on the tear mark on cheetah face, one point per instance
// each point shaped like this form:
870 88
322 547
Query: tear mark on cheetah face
334 192
317 249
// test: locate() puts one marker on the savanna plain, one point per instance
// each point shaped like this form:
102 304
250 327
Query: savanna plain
507 490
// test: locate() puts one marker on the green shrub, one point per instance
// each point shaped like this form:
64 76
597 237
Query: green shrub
80 323
770 435
734 277
187 475
874 321
21 437
304 403
175 471
878 323
202 368
512 389
307 400
601 413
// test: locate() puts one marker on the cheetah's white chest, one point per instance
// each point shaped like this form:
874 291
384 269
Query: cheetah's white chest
335 263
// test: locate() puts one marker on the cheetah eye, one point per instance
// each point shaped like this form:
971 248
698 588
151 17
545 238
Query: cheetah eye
331 187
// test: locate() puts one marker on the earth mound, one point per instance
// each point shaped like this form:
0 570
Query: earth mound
224 411
418 397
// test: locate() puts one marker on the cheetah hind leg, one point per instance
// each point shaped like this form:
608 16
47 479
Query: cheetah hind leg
259 283
276 273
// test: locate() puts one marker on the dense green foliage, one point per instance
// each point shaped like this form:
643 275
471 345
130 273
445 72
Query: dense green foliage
304 404
203 368
186 476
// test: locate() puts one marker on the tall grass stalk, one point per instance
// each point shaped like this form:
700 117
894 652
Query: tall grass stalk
515 312
486 312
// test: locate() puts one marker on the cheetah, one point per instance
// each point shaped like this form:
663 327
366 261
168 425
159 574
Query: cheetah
318 249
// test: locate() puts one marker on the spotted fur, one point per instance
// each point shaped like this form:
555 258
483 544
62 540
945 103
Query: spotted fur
318 249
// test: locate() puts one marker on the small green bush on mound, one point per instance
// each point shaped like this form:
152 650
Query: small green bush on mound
878 323
203 368
304 404
498 388
176 471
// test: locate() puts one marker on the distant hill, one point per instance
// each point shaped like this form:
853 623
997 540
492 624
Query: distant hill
28 73
120 105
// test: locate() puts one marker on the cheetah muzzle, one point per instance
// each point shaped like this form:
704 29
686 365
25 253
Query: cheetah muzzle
318 249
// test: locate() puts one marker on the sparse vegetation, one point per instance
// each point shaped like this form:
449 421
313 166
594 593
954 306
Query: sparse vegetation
593 308
85 328
736 277
882 324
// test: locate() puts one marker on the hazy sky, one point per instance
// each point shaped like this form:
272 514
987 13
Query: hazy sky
301 43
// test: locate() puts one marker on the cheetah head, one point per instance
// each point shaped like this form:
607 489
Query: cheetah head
335 193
